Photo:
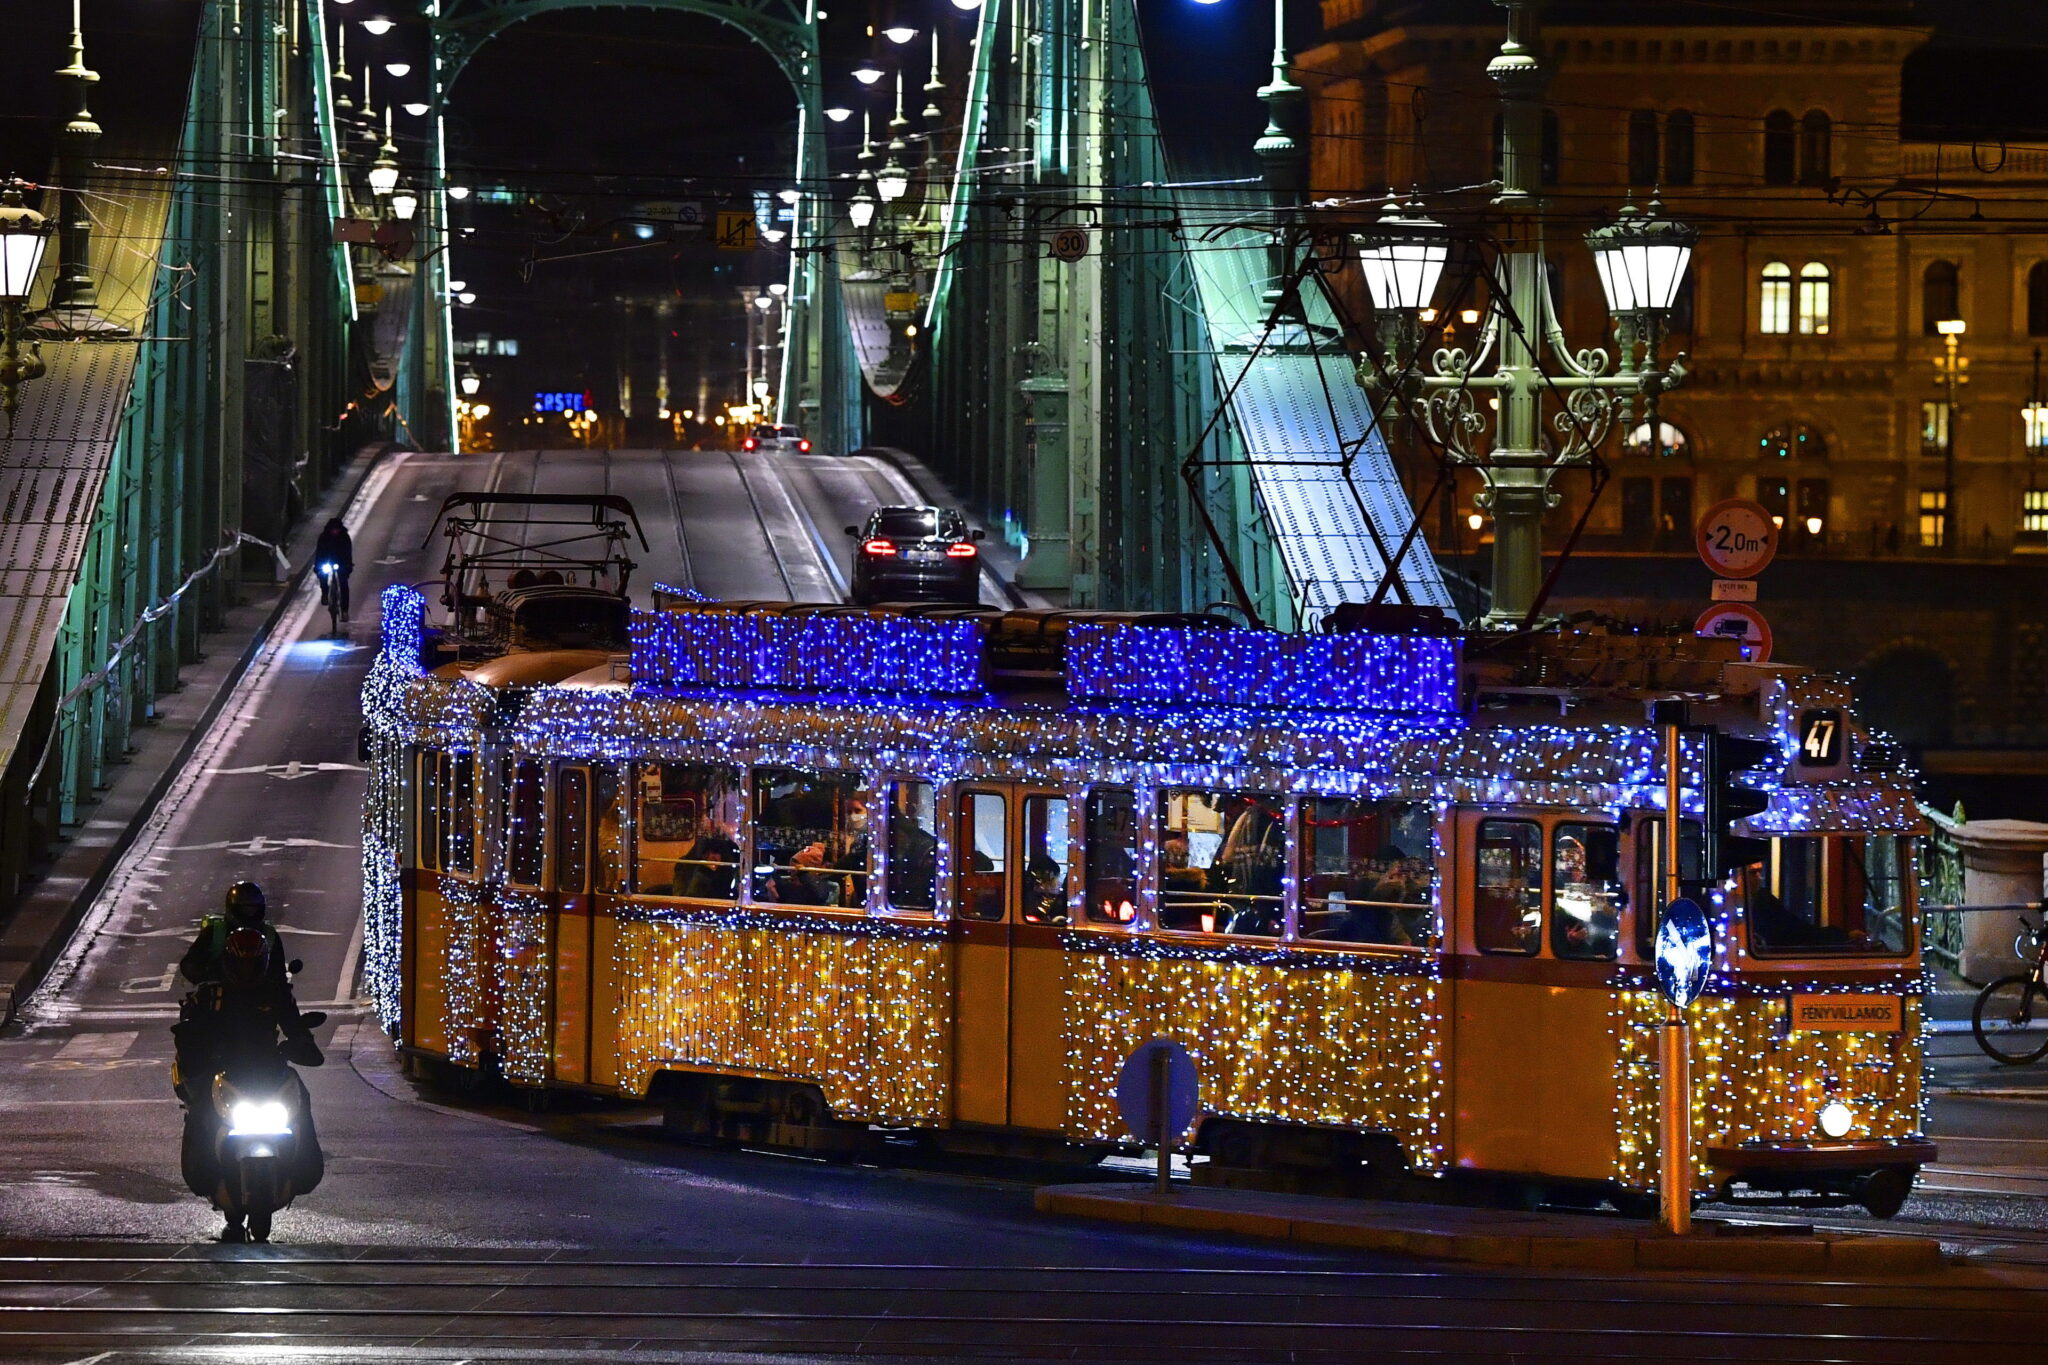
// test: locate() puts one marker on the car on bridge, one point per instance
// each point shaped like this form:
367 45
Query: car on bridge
783 437
915 554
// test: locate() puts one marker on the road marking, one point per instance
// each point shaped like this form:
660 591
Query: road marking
97 1047
256 846
114 1064
345 987
289 772
150 985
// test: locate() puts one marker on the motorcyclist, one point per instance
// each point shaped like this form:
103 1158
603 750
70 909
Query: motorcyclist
334 547
231 1026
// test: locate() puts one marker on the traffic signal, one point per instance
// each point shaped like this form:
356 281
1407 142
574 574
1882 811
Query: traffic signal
1730 796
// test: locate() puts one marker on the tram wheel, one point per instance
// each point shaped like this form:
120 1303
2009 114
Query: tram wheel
1883 1193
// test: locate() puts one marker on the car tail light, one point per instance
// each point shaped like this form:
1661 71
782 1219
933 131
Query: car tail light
803 447
960 550
880 547
748 444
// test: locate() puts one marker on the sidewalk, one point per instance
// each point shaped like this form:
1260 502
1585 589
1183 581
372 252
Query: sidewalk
41 922
1497 1236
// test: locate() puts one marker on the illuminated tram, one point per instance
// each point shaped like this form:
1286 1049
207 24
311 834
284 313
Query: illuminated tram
808 874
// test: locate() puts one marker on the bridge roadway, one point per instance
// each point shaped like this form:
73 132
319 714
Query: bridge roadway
451 1229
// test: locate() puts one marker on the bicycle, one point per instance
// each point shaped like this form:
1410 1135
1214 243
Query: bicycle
329 597
2010 1018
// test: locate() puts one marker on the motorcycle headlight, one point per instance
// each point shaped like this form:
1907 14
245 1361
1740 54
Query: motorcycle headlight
259 1118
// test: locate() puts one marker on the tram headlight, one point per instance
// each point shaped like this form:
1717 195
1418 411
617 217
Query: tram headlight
1836 1119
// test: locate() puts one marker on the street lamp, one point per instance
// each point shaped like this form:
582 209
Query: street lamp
867 73
899 34
1642 262
404 203
1952 365
24 236
378 26
839 113
471 382
384 171
860 210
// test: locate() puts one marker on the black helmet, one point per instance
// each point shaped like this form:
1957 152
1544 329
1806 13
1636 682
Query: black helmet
246 959
245 902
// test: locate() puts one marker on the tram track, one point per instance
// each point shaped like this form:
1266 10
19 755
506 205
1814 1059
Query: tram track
994 1311
761 521
675 502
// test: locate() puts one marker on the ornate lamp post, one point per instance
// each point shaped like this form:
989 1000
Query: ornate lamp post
74 297
24 235
1642 261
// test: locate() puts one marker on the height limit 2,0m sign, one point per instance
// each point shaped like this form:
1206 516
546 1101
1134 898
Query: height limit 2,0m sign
1737 538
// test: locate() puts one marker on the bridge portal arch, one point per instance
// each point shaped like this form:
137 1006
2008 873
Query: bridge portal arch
819 382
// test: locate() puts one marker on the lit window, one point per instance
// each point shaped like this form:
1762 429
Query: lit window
1933 516
1814 291
1934 424
1367 870
2034 516
1221 855
810 836
687 841
1794 441
1671 442
1774 316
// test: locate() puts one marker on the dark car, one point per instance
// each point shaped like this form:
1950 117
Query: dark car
915 554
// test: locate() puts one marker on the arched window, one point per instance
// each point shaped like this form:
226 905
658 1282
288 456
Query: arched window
1815 289
1781 148
1678 148
1671 442
1816 133
2037 300
1774 299
1642 149
1794 441
1941 294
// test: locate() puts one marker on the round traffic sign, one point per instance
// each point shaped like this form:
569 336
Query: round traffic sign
1685 951
1737 621
1070 244
1159 1074
1737 538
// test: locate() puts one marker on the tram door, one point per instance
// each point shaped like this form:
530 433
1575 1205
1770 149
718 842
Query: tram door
1010 878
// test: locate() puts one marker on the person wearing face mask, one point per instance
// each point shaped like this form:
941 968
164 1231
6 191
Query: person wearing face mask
840 863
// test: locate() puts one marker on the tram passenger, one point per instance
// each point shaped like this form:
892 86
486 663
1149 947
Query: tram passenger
1045 893
1587 886
1250 863
835 868
913 882
1182 888
709 870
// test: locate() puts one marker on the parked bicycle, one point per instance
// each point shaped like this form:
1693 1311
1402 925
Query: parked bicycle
2010 1018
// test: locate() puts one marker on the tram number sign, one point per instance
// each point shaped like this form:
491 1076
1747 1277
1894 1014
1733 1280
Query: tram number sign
1737 538
1737 621
1685 951
1138 1090
1069 244
1820 738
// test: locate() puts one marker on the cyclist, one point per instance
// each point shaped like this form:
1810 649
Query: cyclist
337 549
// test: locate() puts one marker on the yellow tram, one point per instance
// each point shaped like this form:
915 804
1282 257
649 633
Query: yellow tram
806 874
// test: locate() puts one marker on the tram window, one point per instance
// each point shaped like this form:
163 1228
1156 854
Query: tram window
608 797
1826 895
1046 860
1507 902
1586 894
911 876
428 804
1110 857
460 820
525 813
981 854
810 837
1650 891
572 830
1366 871
1220 859
685 837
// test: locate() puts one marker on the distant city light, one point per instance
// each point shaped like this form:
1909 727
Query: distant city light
644 231
789 196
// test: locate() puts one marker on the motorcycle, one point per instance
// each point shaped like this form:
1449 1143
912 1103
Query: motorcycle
250 1145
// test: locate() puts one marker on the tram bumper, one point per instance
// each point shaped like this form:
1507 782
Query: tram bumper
1875 1172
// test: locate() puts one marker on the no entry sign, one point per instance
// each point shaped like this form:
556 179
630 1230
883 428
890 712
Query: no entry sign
1737 538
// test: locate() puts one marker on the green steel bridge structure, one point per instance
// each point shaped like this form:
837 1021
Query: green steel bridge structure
1126 373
